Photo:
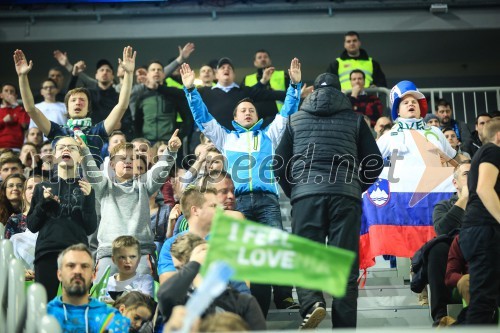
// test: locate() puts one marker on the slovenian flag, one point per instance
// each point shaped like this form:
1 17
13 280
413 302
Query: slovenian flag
397 211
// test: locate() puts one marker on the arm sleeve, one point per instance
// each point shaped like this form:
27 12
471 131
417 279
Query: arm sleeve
370 158
384 144
252 313
89 213
466 138
456 266
170 68
283 156
174 291
36 215
165 263
259 93
446 219
204 120
290 106
157 175
93 174
378 75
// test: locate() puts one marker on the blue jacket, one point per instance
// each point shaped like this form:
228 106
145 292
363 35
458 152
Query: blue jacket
88 318
249 152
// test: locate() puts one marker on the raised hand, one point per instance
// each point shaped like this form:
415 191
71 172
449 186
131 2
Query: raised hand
22 66
80 142
187 75
186 51
61 57
175 142
294 71
78 68
85 187
306 91
128 62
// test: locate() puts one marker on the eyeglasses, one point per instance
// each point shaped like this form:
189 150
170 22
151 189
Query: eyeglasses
70 147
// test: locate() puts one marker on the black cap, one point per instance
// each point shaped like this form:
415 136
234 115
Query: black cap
223 61
327 80
103 62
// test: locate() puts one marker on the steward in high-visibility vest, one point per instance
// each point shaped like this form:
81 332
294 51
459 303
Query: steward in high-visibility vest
348 65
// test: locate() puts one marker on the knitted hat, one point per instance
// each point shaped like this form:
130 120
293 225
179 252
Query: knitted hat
430 116
327 80
402 89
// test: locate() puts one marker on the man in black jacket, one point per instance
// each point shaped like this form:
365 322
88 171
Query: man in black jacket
477 135
337 159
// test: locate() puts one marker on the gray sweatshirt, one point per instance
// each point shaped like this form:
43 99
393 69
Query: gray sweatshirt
125 206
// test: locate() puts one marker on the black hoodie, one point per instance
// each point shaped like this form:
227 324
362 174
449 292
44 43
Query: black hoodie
61 224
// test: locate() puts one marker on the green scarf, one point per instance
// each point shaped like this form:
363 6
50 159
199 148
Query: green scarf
78 126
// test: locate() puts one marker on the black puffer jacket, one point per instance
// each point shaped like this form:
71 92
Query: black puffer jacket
325 143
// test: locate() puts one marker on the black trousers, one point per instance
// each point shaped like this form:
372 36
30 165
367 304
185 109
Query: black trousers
337 220
436 271
481 249
46 274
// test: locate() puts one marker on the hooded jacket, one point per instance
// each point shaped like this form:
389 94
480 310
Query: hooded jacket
93 317
323 147
61 224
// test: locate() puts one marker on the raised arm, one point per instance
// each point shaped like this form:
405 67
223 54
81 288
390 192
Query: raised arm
184 53
91 172
204 120
22 69
157 175
128 65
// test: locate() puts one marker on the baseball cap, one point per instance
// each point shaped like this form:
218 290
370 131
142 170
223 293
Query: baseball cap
402 89
103 62
223 61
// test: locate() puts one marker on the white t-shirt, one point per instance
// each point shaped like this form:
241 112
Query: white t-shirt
404 142
55 112
140 282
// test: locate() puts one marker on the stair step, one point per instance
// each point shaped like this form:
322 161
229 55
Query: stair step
377 291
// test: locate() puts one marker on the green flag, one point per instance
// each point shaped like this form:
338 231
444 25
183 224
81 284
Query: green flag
262 254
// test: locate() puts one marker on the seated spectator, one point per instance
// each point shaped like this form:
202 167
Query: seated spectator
223 322
126 255
35 136
13 119
362 103
477 135
144 147
188 254
11 197
383 130
7 152
457 271
17 222
52 109
75 310
451 136
125 199
62 211
47 157
444 113
137 307
10 165
382 122
431 120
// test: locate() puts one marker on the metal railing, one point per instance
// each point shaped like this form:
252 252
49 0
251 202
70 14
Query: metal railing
467 103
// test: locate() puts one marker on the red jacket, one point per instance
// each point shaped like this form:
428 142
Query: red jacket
456 267
12 132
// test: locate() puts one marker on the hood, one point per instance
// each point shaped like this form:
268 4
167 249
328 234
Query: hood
240 129
325 102
363 55
92 304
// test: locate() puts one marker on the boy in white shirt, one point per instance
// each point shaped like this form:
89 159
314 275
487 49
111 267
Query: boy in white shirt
126 255
53 110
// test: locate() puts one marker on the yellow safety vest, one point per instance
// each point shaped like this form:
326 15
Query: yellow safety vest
277 82
347 66
174 84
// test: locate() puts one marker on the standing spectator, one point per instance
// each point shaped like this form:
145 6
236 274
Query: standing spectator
13 119
9 166
56 75
206 77
354 57
256 190
34 136
477 135
77 103
444 113
75 310
279 80
480 233
328 208
62 211
52 109
362 103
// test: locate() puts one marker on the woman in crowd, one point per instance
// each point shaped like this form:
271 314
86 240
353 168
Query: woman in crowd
11 199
